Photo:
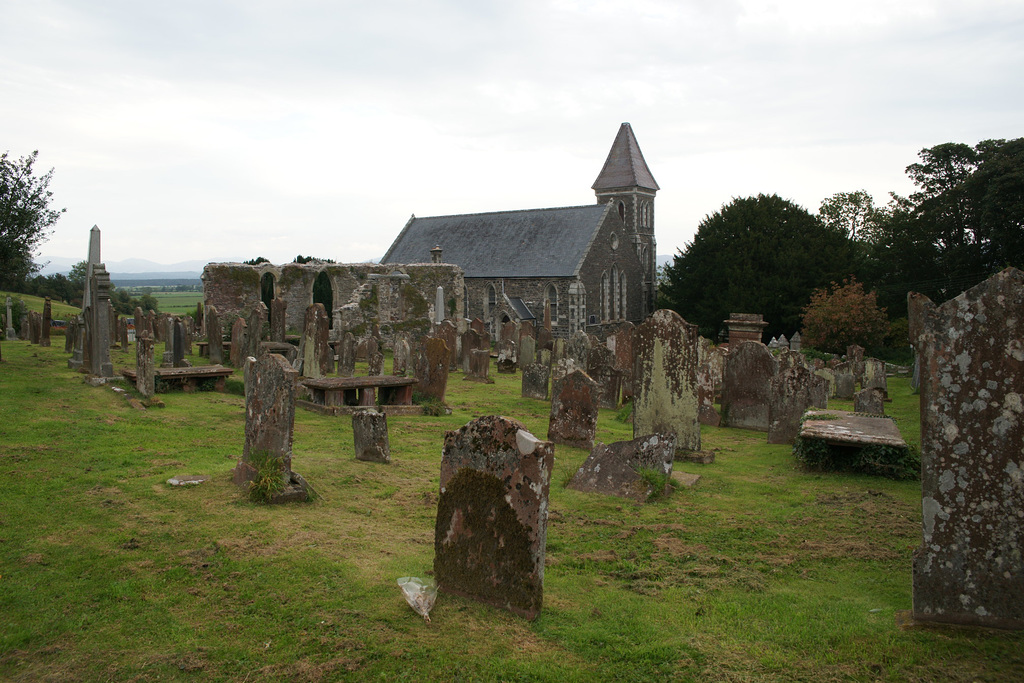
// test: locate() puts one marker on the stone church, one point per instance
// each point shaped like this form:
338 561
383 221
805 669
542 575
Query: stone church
594 264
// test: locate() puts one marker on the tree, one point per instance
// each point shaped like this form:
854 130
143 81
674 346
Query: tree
148 302
845 314
760 254
848 211
25 216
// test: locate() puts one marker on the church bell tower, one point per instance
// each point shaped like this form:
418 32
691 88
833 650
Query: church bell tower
626 183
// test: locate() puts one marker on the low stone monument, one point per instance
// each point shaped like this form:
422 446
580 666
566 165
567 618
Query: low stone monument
370 433
618 469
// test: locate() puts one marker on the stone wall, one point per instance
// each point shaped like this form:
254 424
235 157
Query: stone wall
399 298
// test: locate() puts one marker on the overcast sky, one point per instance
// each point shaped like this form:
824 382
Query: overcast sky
220 129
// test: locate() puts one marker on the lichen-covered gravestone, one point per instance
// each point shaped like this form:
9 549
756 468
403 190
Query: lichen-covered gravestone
491 529
479 364
790 397
846 379
432 368
269 426
574 409
317 358
665 379
238 342
747 386
370 434
535 381
618 469
970 566
869 401
145 371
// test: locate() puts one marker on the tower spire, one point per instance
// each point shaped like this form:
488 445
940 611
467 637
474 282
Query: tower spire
625 165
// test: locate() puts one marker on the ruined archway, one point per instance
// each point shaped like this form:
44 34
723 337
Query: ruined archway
323 293
267 288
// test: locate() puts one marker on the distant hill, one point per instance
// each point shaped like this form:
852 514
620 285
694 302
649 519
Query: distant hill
135 269
662 259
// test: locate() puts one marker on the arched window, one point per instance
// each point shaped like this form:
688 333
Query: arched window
605 296
492 299
615 294
267 288
622 210
465 301
622 302
323 293
551 295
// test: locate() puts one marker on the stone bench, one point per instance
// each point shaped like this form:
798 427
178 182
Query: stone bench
187 378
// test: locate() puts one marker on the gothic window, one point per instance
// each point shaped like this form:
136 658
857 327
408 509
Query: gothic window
323 293
492 299
551 295
622 210
465 301
615 294
622 304
604 296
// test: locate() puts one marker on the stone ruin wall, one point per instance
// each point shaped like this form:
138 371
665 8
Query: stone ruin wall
399 298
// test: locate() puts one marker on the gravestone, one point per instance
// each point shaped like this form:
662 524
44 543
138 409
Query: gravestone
145 367
9 332
238 342
432 368
214 335
706 384
509 332
873 376
362 350
491 526
783 342
370 433
178 351
317 357
819 391
168 336
544 338
45 323
347 355
870 401
269 425
574 410
845 379
278 319
829 376
623 349
746 387
471 341
71 336
601 369
98 324
479 365
375 364
535 381
255 329
527 329
745 327
446 331
122 332
508 361
665 379
578 348
795 342
34 327
478 325
790 397
400 358
190 330
616 469
855 356
439 305
969 568
527 350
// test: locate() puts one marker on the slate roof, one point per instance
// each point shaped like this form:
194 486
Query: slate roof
625 165
521 309
530 243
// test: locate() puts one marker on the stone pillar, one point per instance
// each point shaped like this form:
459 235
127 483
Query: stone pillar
238 334
178 351
99 323
47 320
9 332
278 319
745 327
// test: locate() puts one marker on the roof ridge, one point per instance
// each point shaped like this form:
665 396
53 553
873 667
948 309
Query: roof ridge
488 213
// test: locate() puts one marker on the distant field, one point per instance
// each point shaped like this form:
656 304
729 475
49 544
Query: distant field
178 302
34 303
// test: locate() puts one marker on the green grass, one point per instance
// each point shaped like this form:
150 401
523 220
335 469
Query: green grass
760 572
59 310
178 303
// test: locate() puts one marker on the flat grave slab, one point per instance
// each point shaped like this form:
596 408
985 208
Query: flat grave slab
842 428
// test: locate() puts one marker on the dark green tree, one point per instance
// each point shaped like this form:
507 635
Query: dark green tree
848 211
25 217
760 254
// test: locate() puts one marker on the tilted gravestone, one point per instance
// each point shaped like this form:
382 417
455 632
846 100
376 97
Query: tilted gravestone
370 434
618 469
145 368
491 528
269 426
747 386
574 410
870 401
255 330
432 368
535 381
969 568
665 379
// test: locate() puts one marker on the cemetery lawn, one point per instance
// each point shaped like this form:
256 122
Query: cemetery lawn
761 572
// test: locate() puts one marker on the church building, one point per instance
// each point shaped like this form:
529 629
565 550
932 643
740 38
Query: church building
594 265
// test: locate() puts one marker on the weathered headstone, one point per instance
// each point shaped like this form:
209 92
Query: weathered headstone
370 433
869 401
623 348
190 330
45 323
535 381
478 325
178 358
145 370
238 343
479 365
508 357
665 379
400 358
707 384
509 332
544 338
439 305
98 324
601 368
278 319
527 350
855 356
347 355
491 529
846 380
432 368
269 425
783 342
578 348
375 364
873 376
471 340
122 332
214 335
317 356
9 332
446 331
617 469
71 336
969 568
168 336
829 376
574 410
255 330
795 342
790 397
746 388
